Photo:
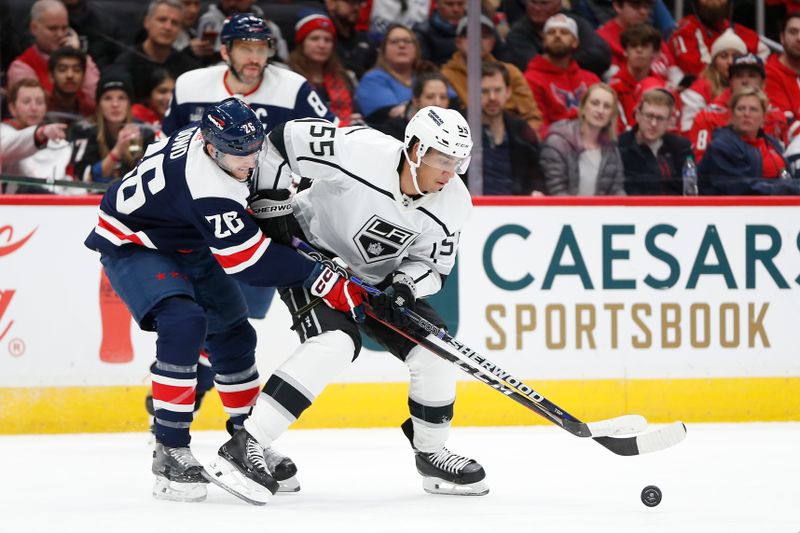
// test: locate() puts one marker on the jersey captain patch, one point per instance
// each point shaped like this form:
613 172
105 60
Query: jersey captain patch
379 239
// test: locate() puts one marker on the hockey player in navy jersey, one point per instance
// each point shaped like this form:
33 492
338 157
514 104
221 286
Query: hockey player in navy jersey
393 211
275 94
173 234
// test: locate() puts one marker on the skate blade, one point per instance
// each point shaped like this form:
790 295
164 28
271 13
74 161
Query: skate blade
226 476
164 489
289 485
435 485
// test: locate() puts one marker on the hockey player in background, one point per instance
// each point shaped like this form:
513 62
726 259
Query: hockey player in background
393 211
275 94
173 235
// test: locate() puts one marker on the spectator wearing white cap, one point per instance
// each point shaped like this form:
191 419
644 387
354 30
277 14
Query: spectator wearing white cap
556 80
745 71
526 38
693 39
714 78
520 102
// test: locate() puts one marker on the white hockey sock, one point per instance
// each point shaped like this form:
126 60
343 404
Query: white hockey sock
306 373
432 386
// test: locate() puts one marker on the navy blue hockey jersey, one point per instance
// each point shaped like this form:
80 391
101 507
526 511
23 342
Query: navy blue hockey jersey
282 95
176 199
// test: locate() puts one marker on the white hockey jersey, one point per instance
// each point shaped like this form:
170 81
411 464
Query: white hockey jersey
282 95
354 206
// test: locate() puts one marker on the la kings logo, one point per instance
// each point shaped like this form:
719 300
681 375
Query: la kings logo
380 239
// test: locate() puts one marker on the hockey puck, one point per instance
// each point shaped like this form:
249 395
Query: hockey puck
651 495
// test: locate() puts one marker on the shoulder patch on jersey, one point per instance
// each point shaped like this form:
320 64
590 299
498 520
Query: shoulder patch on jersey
380 239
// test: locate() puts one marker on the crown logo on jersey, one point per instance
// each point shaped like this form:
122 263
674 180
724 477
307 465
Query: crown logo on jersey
375 249
218 122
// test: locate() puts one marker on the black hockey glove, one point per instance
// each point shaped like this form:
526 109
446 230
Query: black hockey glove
388 306
272 209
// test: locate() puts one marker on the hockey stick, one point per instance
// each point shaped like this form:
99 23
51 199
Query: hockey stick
438 341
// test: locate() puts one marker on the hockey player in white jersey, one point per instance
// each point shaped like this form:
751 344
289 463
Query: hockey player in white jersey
392 211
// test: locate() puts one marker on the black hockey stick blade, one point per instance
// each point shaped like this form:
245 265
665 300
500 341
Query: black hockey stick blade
652 441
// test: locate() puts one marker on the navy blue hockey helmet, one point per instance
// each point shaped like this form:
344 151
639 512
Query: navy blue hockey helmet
232 127
245 26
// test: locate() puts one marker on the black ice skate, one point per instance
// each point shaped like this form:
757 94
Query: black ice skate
179 476
242 469
283 470
281 467
444 472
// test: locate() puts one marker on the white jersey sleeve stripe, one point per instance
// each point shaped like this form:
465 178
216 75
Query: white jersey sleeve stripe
121 232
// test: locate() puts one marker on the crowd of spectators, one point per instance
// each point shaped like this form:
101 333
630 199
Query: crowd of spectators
586 97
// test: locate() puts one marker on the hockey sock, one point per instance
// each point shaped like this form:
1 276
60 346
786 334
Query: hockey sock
232 355
431 396
181 327
297 382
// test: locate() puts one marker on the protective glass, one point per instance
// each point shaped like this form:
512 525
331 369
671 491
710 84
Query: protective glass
438 160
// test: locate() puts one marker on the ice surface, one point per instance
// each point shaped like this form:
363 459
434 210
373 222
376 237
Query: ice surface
723 478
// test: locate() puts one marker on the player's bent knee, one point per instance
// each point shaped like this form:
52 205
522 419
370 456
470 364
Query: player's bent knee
319 360
181 326
432 378
336 343
233 350
422 361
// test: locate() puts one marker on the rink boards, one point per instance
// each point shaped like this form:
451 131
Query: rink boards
671 308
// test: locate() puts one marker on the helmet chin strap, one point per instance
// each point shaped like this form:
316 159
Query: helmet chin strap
413 167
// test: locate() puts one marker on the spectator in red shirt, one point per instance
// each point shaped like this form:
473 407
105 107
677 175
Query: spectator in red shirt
692 40
157 89
746 71
641 43
556 80
50 28
629 13
783 72
714 79
314 57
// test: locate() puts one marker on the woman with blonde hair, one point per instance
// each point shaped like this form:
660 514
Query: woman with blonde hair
108 147
580 157
714 79
742 159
